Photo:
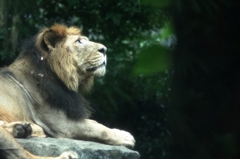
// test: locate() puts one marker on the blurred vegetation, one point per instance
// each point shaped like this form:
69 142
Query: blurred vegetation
204 107
173 68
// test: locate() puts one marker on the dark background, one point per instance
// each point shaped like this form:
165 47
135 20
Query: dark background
173 77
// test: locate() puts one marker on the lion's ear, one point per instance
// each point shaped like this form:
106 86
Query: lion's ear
49 40
57 33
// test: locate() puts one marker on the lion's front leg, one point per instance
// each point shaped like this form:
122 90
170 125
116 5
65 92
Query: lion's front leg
91 130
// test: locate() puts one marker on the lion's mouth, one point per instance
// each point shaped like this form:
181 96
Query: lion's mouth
95 68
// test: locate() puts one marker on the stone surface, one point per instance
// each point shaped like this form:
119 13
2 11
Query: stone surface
85 149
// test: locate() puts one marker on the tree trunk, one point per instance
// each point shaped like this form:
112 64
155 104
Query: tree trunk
4 42
3 13
9 18
14 31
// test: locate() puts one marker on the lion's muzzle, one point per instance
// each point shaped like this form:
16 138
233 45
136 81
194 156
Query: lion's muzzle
103 50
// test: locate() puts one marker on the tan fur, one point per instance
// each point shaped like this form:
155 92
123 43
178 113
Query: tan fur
25 96
65 70
6 116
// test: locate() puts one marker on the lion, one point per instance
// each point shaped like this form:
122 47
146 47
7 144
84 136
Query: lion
41 92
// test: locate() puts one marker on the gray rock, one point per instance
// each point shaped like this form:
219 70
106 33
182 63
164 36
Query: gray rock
85 149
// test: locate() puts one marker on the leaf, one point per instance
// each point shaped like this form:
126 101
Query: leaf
167 30
153 59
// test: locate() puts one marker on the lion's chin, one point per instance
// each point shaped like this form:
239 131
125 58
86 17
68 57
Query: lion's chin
99 70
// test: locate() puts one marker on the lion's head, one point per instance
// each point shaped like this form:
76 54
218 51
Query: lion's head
73 58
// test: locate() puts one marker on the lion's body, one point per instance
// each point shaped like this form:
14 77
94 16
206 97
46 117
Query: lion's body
11 98
42 88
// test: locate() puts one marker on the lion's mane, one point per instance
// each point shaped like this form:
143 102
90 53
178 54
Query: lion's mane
54 71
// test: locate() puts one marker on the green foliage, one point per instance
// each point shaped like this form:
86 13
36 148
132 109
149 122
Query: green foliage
156 50
153 59
162 3
6 53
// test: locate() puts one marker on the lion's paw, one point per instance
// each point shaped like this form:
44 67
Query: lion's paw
68 155
123 138
22 130
18 129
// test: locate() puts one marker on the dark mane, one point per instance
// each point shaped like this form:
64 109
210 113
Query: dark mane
52 89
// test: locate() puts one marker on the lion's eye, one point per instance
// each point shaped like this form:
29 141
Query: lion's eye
79 41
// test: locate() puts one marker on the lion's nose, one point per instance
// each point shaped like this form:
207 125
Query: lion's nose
103 50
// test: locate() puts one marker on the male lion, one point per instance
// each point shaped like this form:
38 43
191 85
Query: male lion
39 92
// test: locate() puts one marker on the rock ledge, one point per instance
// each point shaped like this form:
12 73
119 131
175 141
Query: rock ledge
85 149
